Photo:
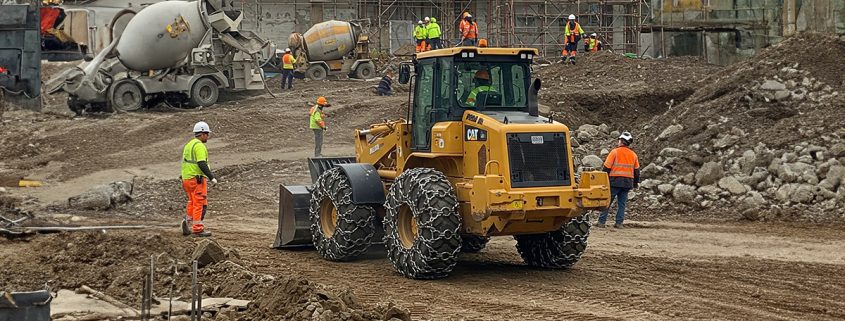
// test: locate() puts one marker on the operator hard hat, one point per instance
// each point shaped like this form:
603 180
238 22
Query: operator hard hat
482 74
572 17
627 138
201 127
322 101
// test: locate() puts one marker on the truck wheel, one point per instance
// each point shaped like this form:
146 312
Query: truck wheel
341 230
126 96
473 243
316 72
365 70
422 225
204 92
558 249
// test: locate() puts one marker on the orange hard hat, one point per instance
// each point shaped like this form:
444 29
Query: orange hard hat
482 74
482 43
322 101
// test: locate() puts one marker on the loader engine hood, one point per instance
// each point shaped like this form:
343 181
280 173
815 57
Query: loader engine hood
515 117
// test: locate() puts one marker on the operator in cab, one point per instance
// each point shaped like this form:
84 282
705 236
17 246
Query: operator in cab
482 84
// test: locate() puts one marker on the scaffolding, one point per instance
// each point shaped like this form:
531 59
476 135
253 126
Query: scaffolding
519 23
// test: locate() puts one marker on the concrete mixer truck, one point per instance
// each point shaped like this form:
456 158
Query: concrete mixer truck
333 48
178 52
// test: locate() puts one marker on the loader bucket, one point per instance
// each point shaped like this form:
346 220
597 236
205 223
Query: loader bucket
294 221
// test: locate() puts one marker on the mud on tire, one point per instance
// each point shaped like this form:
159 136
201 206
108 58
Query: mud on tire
558 249
350 232
473 243
422 225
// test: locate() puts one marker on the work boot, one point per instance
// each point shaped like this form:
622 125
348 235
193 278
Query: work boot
186 229
618 225
572 60
600 225
202 234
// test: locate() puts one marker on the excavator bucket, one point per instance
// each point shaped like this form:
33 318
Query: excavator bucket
294 203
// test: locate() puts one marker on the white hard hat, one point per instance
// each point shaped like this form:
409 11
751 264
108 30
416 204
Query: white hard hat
287 49
427 19
419 22
572 17
627 138
593 35
201 127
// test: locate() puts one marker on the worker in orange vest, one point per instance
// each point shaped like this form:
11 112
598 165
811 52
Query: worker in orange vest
287 69
592 44
623 167
571 36
469 33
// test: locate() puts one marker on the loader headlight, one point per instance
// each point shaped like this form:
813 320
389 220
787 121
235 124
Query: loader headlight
523 56
530 56
464 54
472 55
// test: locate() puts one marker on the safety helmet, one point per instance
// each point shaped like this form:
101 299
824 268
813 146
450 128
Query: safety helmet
427 19
433 20
420 22
572 17
287 49
322 101
627 138
593 35
201 127
482 74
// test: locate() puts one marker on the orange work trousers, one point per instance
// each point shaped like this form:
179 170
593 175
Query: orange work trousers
197 190
420 45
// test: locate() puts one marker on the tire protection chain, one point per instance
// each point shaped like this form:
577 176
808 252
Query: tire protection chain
550 250
343 244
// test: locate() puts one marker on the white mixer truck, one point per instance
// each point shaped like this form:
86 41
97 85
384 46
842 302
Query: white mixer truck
333 48
178 52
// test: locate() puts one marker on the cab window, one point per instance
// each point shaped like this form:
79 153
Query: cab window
491 85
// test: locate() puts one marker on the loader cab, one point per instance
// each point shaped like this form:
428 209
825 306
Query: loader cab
448 82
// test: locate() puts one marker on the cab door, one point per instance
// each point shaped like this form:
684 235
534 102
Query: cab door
423 110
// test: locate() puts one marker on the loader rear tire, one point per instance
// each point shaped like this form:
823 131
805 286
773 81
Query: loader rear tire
560 249
341 230
473 243
422 225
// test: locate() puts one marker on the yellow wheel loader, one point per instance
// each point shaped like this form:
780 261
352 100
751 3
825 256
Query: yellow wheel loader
474 160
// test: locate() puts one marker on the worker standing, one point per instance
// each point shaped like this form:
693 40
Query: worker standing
572 35
420 33
623 167
287 69
463 25
434 33
195 177
469 34
592 44
318 124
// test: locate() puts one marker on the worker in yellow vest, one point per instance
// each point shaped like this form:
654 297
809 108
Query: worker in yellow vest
195 177
420 34
287 69
317 124
571 36
434 33
592 44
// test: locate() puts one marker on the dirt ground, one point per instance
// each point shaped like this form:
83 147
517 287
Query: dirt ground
664 267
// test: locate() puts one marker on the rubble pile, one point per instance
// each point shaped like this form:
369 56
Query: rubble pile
763 140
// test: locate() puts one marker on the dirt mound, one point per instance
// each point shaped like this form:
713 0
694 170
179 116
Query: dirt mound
610 88
115 263
763 137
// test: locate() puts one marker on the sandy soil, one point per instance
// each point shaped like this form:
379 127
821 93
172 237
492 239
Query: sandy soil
656 270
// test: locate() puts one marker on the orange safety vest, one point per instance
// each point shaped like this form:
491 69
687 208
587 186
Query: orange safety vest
574 31
464 25
287 60
471 32
622 162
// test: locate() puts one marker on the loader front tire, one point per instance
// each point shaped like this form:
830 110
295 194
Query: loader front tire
473 243
422 225
341 230
560 249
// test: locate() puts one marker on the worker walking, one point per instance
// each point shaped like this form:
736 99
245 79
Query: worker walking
572 35
592 44
318 124
287 69
623 166
469 33
434 33
195 177
420 34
